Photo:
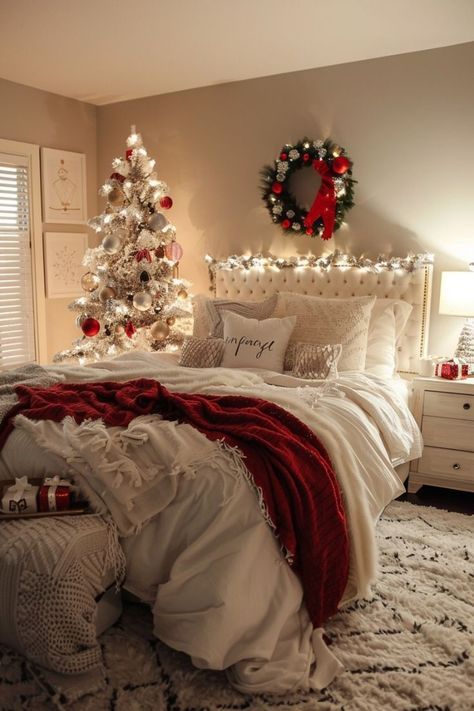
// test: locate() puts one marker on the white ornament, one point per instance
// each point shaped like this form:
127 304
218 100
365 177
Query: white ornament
142 300
111 243
157 221
293 154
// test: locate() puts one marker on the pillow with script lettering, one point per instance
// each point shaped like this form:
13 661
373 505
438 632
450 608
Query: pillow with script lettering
250 343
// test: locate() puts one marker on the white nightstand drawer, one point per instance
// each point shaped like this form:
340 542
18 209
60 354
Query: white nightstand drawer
456 466
448 432
449 405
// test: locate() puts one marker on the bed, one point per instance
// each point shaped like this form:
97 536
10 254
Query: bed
197 533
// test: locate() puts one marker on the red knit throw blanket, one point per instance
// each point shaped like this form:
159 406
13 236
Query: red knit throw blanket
285 459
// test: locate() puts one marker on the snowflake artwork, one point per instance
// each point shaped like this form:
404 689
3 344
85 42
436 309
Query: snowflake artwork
65 264
134 297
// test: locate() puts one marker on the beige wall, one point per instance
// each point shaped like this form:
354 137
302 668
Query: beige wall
34 116
406 121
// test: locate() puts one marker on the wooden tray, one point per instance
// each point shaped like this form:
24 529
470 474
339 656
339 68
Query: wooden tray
80 508
41 514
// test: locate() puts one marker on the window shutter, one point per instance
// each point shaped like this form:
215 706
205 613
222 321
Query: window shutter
17 336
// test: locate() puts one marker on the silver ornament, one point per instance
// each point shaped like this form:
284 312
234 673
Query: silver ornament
90 281
116 196
157 221
142 300
107 292
159 330
111 243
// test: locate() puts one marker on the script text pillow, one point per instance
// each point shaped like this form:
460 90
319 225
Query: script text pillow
322 321
316 362
250 343
201 352
208 313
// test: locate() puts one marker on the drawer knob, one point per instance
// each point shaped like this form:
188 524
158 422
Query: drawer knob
456 466
467 406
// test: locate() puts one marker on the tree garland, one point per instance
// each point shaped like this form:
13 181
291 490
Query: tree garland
333 199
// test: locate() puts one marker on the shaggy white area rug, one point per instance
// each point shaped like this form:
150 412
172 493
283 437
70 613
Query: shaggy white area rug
408 647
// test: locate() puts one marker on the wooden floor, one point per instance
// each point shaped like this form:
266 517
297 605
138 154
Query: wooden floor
460 501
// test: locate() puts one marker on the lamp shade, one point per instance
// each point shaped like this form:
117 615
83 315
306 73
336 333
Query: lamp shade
457 294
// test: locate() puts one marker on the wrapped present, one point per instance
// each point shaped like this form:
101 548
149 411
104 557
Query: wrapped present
21 497
452 370
55 494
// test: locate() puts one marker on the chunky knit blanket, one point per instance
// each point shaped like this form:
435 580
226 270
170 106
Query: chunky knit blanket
30 374
287 462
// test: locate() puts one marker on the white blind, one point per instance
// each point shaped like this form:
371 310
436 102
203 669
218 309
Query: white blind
17 337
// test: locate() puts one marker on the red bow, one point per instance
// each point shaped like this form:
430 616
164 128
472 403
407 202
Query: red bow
143 254
324 205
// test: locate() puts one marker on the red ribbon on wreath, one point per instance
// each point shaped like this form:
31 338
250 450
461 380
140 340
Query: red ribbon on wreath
324 205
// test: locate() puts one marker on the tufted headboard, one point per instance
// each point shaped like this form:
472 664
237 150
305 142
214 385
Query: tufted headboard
257 277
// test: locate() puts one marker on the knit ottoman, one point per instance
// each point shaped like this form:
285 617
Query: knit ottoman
53 570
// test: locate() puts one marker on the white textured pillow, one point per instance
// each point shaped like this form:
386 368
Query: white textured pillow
250 343
208 313
316 362
387 321
322 321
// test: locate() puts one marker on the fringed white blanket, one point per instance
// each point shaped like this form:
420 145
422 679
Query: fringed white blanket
206 559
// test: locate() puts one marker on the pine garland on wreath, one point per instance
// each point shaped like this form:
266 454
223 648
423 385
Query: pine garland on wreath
333 199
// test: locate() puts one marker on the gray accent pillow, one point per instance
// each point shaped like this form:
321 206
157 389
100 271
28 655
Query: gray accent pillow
208 313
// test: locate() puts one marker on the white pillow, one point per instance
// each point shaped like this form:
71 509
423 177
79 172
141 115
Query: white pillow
208 313
250 343
387 322
322 321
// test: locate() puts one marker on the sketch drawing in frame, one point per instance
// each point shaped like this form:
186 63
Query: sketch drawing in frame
63 181
63 254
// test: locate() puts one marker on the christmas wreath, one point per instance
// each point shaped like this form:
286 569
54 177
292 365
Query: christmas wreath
331 202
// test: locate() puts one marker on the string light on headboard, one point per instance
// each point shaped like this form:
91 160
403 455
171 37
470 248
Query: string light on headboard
335 259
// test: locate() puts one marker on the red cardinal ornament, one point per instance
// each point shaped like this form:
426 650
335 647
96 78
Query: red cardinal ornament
130 329
118 177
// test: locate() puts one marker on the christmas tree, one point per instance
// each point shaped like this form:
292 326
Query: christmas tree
134 296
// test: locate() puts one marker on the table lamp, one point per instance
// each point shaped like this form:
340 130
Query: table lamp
457 299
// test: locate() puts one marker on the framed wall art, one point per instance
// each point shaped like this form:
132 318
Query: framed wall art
63 253
63 185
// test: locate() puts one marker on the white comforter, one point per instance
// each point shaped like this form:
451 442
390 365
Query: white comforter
207 560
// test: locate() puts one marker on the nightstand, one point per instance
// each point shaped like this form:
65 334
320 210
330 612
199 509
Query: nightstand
444 411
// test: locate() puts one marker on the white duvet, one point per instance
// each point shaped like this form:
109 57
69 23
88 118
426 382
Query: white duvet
204 556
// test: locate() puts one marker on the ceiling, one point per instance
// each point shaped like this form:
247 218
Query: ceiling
104 51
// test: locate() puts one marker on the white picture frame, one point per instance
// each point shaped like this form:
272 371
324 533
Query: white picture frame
63 254
63 186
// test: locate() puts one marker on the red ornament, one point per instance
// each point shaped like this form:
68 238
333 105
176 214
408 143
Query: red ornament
160 252
90 327
283 156
130 329
340 165
286 224
306 157
277 188
128 153
309 231
166 202
173 251
116 176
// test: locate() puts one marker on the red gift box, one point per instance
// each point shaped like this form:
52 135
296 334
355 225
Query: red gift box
451 370
54 496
